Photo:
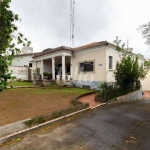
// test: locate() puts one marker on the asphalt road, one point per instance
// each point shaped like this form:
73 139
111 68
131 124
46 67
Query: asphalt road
122 126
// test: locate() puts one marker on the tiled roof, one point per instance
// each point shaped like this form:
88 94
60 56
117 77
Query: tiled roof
51 50
94 44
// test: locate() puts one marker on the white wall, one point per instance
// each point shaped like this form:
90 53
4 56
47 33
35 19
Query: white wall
19 72
48 66
146 82
98 56
116 57
22 60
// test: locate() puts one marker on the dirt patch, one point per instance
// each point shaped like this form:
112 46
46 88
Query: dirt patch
89 99
19 104
146 95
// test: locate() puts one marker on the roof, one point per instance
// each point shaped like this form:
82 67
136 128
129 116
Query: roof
52 50
94 44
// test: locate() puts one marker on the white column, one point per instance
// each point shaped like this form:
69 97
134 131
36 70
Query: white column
42 69
53 68
35 64
71 71
63 68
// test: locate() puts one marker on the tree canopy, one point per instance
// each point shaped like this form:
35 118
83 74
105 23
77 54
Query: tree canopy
10 38
145 30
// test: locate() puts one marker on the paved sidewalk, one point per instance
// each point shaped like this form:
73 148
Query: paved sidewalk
89 99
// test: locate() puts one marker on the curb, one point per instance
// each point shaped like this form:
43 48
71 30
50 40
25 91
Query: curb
98 105
22 133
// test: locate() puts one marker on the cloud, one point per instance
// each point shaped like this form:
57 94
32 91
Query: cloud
47 23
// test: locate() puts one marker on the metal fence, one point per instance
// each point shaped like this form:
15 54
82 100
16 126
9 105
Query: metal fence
110 91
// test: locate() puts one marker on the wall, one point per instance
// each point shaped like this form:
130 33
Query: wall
20 72
137 95
48 66
116 57
22 60
96 54
146 82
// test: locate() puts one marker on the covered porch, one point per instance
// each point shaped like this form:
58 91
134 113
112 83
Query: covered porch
57 66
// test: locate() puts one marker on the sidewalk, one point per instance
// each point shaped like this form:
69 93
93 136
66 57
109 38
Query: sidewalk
89 99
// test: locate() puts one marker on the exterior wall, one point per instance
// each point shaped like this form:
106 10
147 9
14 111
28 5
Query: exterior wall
98 56
20 72
48 66
116 57
137 95
21 60
38 64
146 82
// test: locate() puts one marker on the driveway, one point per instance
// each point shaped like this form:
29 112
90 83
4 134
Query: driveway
121 126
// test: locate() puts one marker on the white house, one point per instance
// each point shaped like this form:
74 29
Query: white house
22 64
87 65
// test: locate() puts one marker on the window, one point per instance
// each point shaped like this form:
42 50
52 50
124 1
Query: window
86 66
30 64
110 62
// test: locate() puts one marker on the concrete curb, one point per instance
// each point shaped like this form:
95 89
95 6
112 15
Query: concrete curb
98 105
22 133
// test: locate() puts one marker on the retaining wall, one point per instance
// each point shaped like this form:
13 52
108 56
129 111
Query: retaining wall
137 95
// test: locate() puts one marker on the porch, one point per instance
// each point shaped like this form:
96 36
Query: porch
55 68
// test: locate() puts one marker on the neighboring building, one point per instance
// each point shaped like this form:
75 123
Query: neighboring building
22 64
87 65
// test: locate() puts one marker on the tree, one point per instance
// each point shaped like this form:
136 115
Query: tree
128 71
10 38
145 30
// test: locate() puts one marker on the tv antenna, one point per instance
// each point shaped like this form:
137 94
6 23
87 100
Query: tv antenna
72 2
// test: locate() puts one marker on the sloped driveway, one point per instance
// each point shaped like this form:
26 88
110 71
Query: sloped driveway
121 126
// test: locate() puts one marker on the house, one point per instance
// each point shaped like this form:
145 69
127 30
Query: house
21 66
87 65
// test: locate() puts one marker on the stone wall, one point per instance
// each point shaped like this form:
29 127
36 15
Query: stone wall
81 83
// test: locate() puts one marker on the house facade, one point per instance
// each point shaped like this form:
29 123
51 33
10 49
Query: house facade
86 65
21 66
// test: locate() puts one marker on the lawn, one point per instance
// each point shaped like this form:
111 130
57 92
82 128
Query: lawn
20 83
19 104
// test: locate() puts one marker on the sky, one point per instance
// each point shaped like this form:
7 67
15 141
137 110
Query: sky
46 23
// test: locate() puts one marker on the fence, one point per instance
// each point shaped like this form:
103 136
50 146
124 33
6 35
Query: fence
111 91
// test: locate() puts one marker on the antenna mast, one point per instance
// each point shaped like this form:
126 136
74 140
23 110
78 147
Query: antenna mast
72 2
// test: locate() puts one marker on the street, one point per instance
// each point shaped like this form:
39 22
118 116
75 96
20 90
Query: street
120 126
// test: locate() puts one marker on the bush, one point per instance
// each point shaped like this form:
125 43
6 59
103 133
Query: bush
45 73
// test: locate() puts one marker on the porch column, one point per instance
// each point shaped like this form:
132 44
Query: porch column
42 69
35 64
63 68
71 67
53 68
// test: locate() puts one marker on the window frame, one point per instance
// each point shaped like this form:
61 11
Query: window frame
110 68
82 72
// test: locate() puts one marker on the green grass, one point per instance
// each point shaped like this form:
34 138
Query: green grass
20 83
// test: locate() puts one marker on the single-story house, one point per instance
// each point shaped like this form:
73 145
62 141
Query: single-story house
86 65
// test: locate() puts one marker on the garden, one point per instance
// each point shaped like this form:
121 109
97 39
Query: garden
22 103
